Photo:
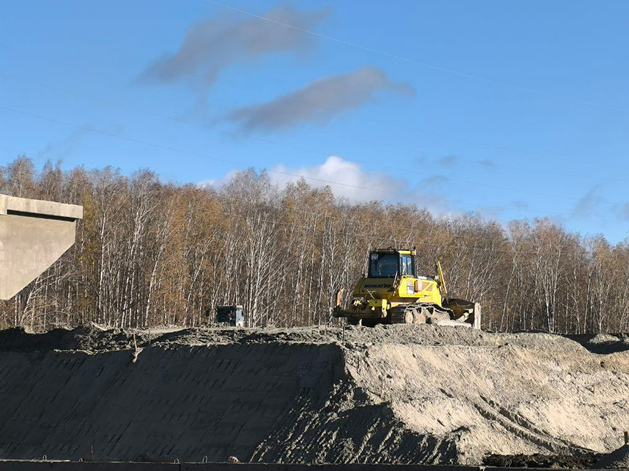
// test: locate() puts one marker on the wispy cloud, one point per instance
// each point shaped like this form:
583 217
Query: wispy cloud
64 147
319 101
448 161
433 182
213 45
587 204
219 182
487 163
520 205
491 211
622 211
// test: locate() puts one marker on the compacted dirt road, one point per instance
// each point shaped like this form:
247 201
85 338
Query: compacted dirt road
390 394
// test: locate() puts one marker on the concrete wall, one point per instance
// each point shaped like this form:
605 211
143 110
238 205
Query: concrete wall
33 235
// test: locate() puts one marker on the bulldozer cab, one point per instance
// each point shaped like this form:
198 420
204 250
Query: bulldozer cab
389 263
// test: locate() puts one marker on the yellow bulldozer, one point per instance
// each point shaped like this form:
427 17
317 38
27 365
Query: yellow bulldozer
393 293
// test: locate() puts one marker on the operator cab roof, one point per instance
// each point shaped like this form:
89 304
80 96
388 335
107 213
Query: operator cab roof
394 250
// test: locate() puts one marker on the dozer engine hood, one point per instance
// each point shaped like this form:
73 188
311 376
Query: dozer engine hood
377 287
397 290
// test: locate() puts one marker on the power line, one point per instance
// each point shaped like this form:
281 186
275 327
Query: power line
366 118
415 62
302 149
172 149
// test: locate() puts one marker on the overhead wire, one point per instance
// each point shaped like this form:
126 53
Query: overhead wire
173 149
442 69
374 120
406 170
302 149
261 169
310 150
413 61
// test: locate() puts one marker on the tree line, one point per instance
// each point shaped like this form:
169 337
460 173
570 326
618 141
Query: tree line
150 253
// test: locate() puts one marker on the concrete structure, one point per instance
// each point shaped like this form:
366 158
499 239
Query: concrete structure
33 235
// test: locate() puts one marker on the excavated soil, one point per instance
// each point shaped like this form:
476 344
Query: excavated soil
616 459
390 394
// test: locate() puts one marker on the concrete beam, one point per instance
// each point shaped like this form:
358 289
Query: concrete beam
33 235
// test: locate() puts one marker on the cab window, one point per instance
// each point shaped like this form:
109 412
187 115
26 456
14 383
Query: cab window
383 265
406 265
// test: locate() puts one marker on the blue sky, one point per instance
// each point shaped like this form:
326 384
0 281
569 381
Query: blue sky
513 109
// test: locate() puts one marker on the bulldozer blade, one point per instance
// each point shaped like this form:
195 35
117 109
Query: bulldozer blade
465 311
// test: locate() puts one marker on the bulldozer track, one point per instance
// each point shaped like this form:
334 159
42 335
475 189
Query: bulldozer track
401 315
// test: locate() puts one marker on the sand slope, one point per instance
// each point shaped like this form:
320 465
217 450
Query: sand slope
402 394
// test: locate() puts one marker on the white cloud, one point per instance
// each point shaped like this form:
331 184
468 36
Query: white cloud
219 182
347 180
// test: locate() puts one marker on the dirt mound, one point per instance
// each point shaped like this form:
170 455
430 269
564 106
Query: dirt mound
616 459
603 343
88 338
391 394
506 394
572 461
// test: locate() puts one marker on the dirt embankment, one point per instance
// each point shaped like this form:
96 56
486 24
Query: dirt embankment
396 394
